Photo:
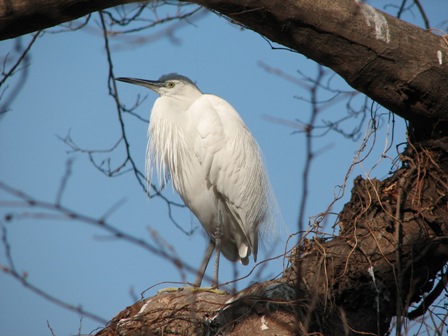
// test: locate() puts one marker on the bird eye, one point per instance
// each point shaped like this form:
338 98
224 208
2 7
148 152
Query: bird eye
170 85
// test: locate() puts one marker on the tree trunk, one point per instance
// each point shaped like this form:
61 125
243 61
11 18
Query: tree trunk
393 237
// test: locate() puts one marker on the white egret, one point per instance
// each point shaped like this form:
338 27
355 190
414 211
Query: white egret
215 164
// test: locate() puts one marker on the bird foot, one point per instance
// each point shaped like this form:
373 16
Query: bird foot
192 290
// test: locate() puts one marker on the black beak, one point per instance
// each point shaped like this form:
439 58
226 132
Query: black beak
142 82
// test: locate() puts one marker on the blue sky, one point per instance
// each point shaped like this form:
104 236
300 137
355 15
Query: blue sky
66 91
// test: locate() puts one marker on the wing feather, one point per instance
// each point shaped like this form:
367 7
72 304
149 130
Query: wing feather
233 166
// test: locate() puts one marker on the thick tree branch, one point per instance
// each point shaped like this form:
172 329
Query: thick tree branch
19 17
399 65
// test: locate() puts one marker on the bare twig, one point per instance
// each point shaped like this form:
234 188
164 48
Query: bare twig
64 181
11 270
423 14
60 212
429 299
23 58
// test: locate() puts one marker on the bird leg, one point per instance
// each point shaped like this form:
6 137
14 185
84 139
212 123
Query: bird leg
207 256
218 237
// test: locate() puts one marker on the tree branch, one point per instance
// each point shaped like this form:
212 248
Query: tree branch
19 17
395 63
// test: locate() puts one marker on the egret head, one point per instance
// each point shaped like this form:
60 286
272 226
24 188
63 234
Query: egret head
169 85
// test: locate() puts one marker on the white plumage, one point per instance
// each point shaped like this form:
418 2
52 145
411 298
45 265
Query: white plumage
214 162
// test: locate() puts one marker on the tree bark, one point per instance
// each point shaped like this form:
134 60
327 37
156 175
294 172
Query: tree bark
392 243
20 17
400 66
393 237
